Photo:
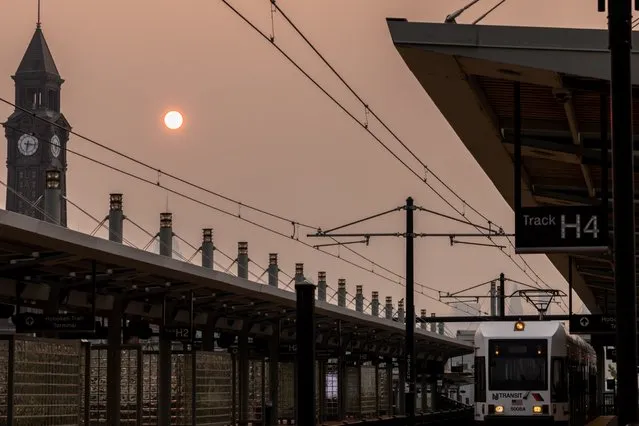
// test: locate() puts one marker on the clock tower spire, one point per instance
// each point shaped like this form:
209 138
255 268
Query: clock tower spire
34 145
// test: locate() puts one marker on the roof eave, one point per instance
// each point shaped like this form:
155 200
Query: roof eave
434 52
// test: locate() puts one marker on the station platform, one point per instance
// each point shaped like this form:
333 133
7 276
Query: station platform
239 368
604 421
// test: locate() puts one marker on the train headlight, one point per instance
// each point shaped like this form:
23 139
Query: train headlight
537 409
520 326
499 409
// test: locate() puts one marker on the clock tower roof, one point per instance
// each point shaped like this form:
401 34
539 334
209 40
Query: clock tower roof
38 58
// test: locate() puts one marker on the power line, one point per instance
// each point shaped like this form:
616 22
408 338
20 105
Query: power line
154 236
220 210
372 112
223 211
189 183
295 223
365 127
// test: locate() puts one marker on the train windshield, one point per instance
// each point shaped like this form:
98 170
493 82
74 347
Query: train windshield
518 365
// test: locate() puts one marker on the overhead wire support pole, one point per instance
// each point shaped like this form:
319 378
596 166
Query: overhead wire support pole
410 314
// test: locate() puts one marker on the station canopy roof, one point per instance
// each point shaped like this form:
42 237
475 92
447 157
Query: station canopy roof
50 261
469 72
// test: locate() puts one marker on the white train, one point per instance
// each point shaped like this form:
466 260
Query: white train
533 373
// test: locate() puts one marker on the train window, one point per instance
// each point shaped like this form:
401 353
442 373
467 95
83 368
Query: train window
559 390
480 379
518 365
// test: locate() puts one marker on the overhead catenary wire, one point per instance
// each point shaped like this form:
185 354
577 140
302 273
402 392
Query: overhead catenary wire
366 128
208 205
235 215
239 203
154 236
488 12
372 112
160 172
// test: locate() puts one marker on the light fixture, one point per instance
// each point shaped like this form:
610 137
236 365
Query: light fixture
520 326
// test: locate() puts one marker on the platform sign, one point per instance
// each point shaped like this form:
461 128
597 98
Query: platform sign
60 323
592 324
288 349
565 229
178 334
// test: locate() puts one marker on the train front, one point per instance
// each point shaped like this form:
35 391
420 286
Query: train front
512 374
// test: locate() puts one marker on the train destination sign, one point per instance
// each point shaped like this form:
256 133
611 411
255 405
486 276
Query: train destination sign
592 324
560 229
61 323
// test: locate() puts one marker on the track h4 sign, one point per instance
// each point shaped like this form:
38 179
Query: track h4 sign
560 229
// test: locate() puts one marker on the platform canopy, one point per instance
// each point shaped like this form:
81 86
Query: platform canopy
40 262
469 72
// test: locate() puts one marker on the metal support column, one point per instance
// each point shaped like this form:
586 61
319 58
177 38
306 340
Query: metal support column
322 390
411 371
273 371
305 339
389 387
601 375
114 361
424 392
234 388
164 374
620 32
342 390
243 352
401 391
164 355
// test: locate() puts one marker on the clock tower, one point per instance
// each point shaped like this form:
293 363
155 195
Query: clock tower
34 145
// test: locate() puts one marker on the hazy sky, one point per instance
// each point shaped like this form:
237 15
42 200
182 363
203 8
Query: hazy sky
256 130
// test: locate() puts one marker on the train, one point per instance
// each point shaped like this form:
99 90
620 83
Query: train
533 373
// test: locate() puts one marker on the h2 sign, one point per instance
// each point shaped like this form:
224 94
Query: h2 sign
560 229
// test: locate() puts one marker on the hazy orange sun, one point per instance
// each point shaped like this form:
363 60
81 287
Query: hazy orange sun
173 120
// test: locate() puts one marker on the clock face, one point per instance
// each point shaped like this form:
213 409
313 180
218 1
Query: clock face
55 146
27 145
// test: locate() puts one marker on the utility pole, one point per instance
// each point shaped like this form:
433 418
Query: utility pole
409 235
620 42
411 368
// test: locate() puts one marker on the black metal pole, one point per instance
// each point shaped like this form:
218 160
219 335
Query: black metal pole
605 169
94 291
164 371
194 355
620 33
411 370
502 295
305 339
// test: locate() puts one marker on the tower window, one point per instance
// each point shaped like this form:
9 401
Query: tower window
33 99
53 100
30 98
